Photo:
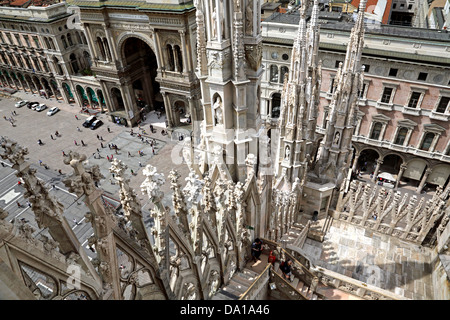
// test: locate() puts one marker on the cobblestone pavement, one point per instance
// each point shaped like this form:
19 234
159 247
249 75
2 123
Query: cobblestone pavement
386 262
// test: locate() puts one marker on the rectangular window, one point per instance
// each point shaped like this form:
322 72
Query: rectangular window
332 85
394 5
19 41
27 40
402 5
443 104
393 72
415 96
386 97
336 65
366 67
409 6
422 76
361 92
36 42
8 35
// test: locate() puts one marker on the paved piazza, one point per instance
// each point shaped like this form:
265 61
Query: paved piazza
31 125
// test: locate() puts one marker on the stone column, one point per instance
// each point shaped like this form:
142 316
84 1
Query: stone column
434 142
355 162
175 59
424 179
408 137
279 74
192 109
375 173
383 130
168 108
400 174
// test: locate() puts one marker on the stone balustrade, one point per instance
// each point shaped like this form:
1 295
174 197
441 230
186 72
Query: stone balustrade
258 289
354 287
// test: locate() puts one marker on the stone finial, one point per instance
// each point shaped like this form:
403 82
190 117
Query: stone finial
153 183
14 152
193 188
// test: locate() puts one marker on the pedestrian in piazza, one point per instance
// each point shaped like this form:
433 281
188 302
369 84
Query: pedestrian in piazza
76 117
51 136
82 142
75 141
109 130
101 144
78 128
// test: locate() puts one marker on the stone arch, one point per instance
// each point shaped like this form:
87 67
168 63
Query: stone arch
368 159
439 175
275 99
74 63
46 87
217 111
82 96
273 73
56 90
415 169
92 98
143 91
392 162
101 99
123 37
68 92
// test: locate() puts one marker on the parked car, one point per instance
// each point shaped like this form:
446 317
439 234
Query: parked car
96 124
34 105
52 111
22 103
30 104
41 107
8 90
88 122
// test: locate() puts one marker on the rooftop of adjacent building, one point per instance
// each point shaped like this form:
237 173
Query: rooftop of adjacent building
344 22
27 3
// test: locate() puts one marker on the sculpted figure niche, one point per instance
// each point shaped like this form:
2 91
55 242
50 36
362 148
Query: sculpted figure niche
218 112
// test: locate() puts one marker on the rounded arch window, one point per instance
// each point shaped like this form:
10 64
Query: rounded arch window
274 55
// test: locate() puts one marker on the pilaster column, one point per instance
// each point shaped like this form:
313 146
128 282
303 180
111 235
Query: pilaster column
183 51
106 96
279 74
157 52
91 45
424 179
375 173
111 42
159 49
400 174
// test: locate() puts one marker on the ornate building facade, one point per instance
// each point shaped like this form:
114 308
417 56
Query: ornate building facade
198 247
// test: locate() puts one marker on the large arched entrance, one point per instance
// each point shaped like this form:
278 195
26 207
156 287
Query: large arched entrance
141 66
